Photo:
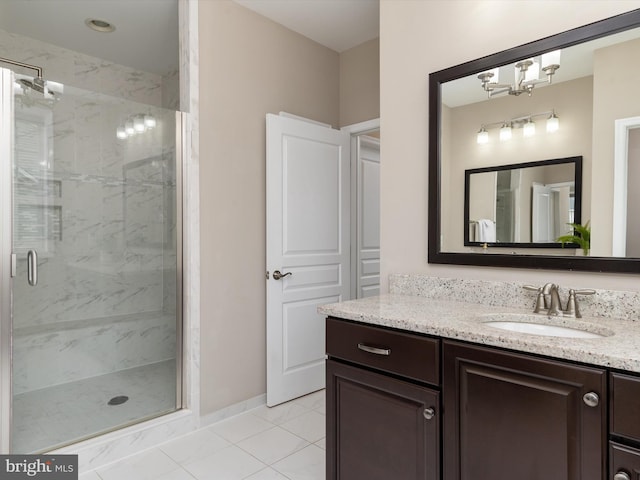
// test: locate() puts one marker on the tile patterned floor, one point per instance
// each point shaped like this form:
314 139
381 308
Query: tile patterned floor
279 443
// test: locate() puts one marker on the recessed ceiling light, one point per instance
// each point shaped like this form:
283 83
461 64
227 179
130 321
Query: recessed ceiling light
99 25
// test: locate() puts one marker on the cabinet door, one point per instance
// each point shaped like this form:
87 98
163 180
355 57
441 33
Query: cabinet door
624 462
510 415
377 427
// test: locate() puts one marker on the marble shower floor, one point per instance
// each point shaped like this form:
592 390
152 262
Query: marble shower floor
65 413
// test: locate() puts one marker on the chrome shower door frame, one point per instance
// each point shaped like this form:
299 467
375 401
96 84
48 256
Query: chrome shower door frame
6 263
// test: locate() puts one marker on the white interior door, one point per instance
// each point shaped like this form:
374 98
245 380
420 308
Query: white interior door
542 214
368 217
308 241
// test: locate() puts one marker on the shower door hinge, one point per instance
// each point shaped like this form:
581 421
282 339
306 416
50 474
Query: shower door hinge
13 262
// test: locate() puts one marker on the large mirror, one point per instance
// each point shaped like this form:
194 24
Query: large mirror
532 204
566 96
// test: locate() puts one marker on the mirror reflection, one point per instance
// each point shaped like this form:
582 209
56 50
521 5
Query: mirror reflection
557 104
523 205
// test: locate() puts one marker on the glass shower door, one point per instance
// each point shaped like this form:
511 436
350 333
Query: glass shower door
95 296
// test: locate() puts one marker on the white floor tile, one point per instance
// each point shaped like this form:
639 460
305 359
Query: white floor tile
149 465
89 476
267 474
243 426
322 443
310 426
194 446
176 475
272 445
230 463
280 413
312 401
307 464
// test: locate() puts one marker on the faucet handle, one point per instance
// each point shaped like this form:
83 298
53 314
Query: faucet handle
541 301
572 304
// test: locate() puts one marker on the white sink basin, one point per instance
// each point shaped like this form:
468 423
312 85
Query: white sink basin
546 326
546 330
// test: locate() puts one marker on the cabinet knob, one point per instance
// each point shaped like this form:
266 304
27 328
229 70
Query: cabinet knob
621 476
429 413
592 399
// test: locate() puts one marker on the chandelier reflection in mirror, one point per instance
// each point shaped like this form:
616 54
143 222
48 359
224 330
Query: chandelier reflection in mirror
526 75
525 122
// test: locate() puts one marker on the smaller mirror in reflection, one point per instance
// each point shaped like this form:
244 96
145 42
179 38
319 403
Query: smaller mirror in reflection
523 205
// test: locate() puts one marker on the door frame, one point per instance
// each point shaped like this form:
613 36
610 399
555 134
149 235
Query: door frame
6 147
620 166
355 130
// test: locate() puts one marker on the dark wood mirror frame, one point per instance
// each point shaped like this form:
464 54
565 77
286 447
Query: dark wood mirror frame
577 179
566 39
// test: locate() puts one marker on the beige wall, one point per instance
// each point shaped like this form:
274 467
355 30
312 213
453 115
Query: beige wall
572 101
446 33
248 66
610 102
360 83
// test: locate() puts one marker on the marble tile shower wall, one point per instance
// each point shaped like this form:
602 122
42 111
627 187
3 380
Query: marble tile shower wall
91 73
105 299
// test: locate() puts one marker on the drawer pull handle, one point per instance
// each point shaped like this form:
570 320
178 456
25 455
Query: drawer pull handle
374 350
621 476
429 413
591 399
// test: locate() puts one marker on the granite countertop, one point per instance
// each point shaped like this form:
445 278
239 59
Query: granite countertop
620 348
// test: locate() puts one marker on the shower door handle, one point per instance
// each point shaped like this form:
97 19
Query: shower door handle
32 267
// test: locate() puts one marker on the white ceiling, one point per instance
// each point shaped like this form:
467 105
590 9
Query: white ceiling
146 35
337 24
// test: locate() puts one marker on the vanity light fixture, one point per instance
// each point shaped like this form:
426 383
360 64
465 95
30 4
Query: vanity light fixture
526 73
135 125
529 128
553 123
483 136
505 132
526 122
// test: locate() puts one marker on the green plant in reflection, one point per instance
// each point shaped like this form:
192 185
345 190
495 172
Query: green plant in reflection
581 236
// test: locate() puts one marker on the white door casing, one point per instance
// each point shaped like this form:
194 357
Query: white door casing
368 216
308 219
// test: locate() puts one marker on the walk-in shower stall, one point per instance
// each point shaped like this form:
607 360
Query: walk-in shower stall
90 263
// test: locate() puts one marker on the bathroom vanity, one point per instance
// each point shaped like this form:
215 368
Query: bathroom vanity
425 389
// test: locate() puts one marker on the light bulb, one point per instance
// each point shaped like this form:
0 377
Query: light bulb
529 129
128 127
553 123
138 124
483 136
505 132
150 121
121 133
551 58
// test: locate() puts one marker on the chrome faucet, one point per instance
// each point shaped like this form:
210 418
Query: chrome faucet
548 301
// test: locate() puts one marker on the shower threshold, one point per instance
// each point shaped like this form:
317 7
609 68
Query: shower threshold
52 417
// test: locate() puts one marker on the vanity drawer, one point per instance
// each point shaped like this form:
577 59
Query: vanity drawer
623 460
625 406
404 354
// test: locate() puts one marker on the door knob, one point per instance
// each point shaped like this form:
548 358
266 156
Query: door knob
277 275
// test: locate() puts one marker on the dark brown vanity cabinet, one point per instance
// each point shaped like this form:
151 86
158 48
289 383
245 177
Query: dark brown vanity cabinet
624 422
383 404
509 415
